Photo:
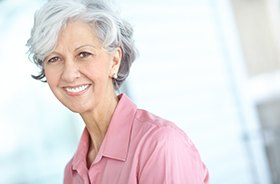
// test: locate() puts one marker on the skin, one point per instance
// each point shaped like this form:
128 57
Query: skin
79 73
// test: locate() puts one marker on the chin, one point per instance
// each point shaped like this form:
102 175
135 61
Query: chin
76 109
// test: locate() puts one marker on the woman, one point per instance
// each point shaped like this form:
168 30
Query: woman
85 50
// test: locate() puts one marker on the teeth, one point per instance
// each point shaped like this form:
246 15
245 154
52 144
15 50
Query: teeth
77 89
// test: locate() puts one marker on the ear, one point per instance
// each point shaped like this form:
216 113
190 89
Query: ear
116 62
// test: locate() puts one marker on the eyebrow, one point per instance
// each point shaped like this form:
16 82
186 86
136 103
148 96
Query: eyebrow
87 45
57 53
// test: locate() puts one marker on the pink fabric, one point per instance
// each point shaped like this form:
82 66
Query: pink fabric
139 148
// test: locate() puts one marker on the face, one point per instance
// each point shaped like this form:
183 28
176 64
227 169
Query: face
79 71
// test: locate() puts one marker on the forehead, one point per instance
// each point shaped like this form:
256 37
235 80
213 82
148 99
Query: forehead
77 33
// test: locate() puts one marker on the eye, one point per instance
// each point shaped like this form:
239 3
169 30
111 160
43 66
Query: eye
84 54
53 59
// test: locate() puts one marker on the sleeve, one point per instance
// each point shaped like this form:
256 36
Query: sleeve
171 158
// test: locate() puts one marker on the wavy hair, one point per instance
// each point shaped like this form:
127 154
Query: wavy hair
110 29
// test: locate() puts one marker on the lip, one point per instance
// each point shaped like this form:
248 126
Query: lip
76 90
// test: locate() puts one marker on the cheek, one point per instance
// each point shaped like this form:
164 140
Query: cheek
52 78
95 71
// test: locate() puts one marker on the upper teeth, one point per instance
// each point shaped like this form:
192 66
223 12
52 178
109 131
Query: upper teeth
77 89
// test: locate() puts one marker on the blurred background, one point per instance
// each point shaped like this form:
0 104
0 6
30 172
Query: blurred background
211 66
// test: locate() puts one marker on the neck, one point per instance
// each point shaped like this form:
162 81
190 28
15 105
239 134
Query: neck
97 123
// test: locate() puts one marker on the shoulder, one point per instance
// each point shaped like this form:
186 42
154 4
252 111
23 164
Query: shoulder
157 131
164 146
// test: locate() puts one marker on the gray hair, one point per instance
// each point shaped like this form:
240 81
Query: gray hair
111 30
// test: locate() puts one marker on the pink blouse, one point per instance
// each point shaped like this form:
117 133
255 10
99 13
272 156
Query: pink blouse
139 148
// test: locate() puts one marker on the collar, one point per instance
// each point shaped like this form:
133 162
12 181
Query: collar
116 142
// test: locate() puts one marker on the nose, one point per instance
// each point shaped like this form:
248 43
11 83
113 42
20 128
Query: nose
70 72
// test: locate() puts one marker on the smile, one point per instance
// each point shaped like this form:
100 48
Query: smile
77 89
